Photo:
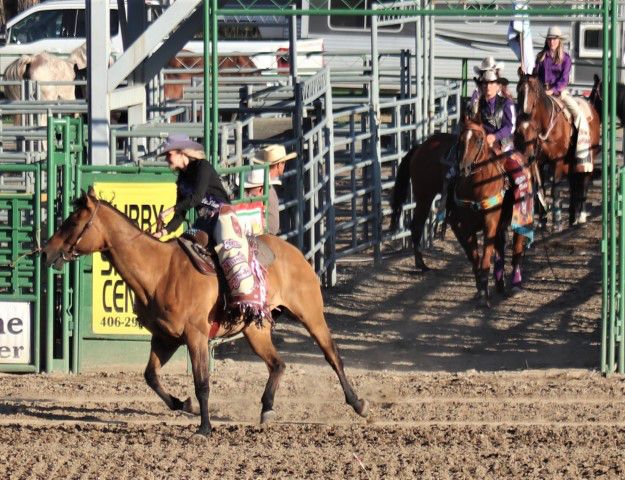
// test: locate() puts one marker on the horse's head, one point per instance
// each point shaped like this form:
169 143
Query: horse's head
596 98
78 235
529 90
526 136
472 147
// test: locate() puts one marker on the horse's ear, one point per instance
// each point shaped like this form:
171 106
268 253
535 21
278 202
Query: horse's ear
520 72
596 79
91 191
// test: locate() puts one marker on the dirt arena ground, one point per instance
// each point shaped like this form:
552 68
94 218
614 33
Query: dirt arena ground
455 392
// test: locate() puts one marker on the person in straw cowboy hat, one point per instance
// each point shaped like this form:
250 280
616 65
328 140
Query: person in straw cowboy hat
199 186
275 156
553 67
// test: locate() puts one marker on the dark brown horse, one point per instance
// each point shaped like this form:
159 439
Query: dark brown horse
482 204
596 98
424 166
555 143
181 306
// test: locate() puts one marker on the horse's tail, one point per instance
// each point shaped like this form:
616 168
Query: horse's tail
16 71
400 189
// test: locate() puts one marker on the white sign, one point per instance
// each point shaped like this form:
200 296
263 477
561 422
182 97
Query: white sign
15 332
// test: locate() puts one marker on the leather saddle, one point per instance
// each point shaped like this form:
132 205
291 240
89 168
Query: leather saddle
204 258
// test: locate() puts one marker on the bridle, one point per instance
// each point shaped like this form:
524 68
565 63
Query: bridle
553 114
471 169
71 254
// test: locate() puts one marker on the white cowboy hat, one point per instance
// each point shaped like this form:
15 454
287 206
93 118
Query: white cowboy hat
555 32
491 76
488 64
253 178
272 154
179 142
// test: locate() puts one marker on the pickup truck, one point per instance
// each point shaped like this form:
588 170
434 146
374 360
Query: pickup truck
58 26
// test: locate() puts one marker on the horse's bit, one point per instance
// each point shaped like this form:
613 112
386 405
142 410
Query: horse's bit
468 171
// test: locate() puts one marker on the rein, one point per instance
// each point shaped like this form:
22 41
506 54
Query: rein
71 252
485 203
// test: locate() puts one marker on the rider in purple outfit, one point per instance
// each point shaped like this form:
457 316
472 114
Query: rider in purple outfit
553 67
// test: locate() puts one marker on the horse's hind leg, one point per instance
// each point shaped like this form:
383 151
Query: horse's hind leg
260 341
197 344
311 315
579 183
420 215
160 354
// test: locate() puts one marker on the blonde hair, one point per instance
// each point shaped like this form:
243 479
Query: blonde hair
194 154
559 56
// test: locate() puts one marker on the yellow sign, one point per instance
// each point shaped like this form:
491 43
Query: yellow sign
112 299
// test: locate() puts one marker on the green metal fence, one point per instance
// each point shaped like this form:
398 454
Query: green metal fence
20 274
87 310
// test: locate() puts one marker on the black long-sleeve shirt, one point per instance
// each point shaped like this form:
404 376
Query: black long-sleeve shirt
195 185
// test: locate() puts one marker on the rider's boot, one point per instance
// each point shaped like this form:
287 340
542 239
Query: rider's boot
243 274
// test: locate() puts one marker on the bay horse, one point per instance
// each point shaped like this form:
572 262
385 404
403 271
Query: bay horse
423 167
481 202
555 143
181 306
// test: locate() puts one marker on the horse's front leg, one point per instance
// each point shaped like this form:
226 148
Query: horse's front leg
499 270
160 353
518 248
490 232
556 205
197 343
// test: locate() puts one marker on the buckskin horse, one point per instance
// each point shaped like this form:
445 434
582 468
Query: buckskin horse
424 168
481 202
555 142
181 306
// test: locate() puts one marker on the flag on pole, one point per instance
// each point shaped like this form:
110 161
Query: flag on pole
520 37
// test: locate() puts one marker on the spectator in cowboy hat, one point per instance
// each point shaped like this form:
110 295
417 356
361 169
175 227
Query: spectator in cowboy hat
254 182
275 156
199 187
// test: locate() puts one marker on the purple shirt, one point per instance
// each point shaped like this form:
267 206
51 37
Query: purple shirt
507 122
554 76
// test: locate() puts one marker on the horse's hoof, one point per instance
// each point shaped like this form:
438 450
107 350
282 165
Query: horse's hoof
362 407
424 268
188 407
267 416
202 434
515 290
500 286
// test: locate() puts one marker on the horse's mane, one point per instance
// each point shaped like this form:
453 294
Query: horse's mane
81 202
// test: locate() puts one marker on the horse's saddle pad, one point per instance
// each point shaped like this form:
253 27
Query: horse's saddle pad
583 105
204 261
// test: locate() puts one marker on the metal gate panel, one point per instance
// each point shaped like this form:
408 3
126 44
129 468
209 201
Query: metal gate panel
20 273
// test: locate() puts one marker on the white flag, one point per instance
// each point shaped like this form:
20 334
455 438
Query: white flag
520 37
